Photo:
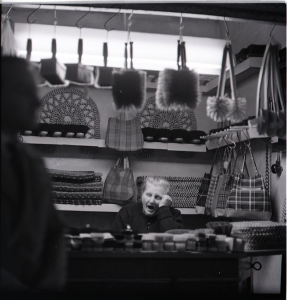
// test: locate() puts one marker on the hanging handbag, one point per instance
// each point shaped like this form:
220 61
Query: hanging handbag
204 187
119 186
124 134
249 198
215 183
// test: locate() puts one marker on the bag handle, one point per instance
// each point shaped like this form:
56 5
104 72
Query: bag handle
126 163
260 77
80 50
278 79
221 80
273 86
232 72
126 55
214 159
118 162
105 53
266 77
252 158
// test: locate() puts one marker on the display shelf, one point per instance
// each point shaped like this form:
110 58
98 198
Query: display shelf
101 143
108 208
243 71
235 134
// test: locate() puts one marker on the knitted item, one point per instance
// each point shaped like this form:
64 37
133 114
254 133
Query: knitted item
177 89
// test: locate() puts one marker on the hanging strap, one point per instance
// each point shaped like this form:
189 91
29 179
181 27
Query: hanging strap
80 50
126 55
260 78
278 79
214 159
183 55
126 163
220 89
131 54
266 85
252 158
105 53
29 49
178 53
232 72
54 48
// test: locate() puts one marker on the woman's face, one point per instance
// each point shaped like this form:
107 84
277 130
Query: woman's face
151 198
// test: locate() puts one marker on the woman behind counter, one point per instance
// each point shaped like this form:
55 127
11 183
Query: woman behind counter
154 213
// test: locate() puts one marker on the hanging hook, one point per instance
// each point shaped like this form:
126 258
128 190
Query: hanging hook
226 29
247 144
28 18
105 25
234 144
77 24
7 13
180 28
129 25
272 37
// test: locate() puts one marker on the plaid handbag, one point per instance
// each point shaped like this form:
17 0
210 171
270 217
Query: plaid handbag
249 198
203 189
214 187
124 135
119 186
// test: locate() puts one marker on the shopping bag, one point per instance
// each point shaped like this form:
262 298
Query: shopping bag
124 135
119 186
249 198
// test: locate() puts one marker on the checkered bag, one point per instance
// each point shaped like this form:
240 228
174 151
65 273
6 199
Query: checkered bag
203 189
124 135
215 183
119 186
249 198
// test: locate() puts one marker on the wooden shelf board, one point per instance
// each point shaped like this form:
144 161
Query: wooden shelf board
101 143
107 208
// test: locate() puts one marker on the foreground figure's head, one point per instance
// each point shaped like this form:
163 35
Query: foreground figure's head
19 94
154 194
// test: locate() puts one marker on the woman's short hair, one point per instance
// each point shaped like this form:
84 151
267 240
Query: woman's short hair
156 180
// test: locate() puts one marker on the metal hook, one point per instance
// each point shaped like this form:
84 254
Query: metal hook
28 18
77 23
226 28
234 144
105 25
272 37
180 28
247 144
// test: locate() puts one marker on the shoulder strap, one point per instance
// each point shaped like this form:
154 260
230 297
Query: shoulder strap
232 72
221 79
214 159
259 84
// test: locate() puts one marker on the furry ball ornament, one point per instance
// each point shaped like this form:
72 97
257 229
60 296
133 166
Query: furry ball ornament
129 89
177 90
218 107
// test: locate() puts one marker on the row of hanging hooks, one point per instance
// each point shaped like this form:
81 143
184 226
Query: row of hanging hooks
226 140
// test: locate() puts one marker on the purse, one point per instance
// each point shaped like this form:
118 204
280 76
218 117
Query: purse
249 198
203 189
119 186
124 135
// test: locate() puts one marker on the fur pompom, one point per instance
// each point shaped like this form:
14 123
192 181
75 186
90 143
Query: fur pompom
237 110
177 89
129 89
218 108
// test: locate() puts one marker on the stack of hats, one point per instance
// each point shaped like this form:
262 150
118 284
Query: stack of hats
76 187
183 190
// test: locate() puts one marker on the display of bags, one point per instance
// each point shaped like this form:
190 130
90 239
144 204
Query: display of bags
203 189
124 135
249 198
270 112
119 186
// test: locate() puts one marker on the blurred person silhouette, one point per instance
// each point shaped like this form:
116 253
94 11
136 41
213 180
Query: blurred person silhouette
32 245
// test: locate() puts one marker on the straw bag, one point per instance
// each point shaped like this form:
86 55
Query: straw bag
203 189
119 186
124 135
249 198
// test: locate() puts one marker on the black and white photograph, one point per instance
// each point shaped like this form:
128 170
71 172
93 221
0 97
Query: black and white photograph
143 149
